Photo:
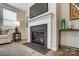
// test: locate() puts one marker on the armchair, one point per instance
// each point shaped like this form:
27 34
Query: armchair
6 38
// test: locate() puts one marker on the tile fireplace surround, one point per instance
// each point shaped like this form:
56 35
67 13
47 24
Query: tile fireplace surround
44 19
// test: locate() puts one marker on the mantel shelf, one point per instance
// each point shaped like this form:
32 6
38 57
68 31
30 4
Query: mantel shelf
70 30
42 15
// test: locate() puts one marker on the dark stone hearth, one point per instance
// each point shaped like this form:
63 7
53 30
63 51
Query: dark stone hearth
37 48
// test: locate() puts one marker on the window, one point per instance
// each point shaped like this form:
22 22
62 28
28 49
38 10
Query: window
9 17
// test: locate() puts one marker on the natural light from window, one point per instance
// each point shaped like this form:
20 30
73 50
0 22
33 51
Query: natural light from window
9 17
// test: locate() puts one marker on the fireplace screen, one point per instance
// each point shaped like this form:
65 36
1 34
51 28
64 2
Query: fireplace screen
38 37
39 34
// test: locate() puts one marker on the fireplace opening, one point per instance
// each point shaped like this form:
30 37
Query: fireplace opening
39 34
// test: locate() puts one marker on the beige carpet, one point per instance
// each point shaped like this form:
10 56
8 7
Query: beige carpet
14 49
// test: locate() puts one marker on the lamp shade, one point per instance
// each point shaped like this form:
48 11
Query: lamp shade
17 23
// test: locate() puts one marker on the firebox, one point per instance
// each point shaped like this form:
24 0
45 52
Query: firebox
38 34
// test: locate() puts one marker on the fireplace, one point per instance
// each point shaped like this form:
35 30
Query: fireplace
38 34
41 28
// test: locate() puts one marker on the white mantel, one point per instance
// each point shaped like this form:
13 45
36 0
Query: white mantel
52 7
42 15
44 19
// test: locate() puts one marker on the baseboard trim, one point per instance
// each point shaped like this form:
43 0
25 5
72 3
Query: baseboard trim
69 47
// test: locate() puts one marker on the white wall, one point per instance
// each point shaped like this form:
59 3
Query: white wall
65 11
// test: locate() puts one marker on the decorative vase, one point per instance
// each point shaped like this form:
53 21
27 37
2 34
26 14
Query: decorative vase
63 24
69 25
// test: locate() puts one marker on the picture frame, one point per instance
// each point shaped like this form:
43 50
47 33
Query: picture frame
74 12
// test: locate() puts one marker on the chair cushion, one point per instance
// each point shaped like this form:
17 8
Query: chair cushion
3 36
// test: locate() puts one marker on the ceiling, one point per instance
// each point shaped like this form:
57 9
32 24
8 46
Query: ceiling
22 6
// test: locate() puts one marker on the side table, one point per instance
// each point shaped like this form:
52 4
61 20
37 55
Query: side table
17 37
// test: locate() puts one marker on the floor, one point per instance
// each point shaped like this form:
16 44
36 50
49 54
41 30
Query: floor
13 49
61 52
18 49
